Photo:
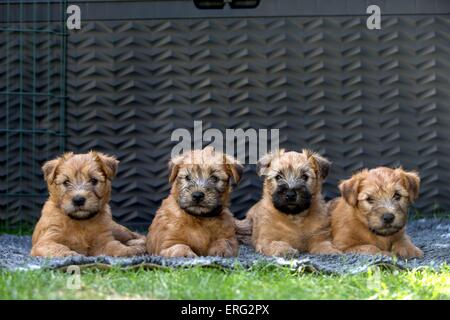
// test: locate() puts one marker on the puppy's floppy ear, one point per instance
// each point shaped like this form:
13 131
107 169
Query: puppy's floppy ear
234 167
411 181
264 162
349 189
50 168
108 164
322 164
174 165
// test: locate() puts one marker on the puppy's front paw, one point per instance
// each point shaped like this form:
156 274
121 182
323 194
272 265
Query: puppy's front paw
325 247
179 250
328 250
70 253
221 252
223 248
364 249
140 242
129 251
137 249
407 251
279 249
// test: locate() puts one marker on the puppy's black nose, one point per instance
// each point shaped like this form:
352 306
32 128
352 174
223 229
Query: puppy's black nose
388 217
291 195
198 196
78 201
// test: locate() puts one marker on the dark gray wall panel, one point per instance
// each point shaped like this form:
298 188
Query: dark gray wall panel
363 98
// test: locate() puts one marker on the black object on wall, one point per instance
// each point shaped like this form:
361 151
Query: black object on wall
137 70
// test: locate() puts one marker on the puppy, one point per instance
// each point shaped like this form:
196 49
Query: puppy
76 219
291 217
371 214
194 220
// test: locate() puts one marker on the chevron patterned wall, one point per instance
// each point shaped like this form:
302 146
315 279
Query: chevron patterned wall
361 97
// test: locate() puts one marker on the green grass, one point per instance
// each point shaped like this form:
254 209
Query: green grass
200 283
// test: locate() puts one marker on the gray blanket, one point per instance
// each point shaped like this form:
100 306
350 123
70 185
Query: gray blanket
431 235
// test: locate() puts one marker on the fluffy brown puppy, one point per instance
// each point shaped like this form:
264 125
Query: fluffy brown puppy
371 214
76 218
194 220
291 217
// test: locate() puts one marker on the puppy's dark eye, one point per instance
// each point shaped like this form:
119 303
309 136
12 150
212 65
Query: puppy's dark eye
93 181
214 179
66 183
370 200
278 177
305 177
188 178
397 196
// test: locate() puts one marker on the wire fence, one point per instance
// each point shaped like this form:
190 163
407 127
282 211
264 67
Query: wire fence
33 42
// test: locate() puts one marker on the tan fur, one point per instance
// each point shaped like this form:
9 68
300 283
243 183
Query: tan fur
57 234
275 233
244 231
176 233
364 198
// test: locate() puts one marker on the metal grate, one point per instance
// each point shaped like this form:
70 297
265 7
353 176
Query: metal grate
33 41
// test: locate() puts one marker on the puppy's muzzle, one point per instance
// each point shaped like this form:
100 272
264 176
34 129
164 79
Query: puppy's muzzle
197 196
291 195
388 218
292 201
78 201
388 225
